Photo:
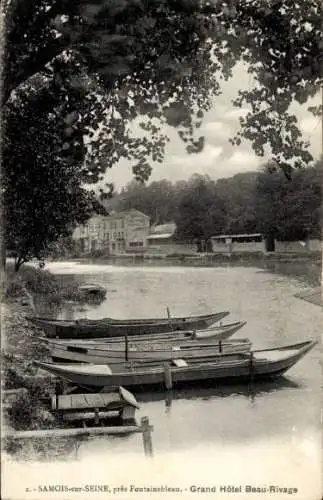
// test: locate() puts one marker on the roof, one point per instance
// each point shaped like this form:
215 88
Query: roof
168 228
247 235
130 211
163 236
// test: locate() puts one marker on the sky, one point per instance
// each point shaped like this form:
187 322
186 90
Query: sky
219 158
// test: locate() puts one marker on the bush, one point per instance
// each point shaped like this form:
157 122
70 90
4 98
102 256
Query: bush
13 289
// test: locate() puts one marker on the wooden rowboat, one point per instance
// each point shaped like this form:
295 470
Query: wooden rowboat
239 367
215 333
108 327
93 290
113 353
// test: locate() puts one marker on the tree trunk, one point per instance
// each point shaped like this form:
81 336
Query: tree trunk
270 242
2 246
3 253
208 246
18 263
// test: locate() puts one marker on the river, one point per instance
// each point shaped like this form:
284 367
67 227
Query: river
211 437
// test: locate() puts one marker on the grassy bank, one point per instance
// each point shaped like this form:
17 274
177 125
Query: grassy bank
29 292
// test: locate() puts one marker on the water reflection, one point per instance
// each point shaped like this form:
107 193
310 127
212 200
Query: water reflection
242 431
210 390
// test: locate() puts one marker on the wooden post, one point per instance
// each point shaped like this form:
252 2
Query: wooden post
97 418
168 399
126 347
168 377
168 312
146 435
127 413
220 346
57 393
251 368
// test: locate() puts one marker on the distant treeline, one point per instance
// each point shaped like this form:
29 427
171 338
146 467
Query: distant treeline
266 202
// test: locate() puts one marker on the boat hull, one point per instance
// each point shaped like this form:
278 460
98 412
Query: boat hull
112 328
144 352
230 368
214 333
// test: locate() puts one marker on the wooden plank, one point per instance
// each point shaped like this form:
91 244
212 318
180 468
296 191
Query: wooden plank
102 399
179 362
128 413
128 397
86 401
77 401
89 431
81 415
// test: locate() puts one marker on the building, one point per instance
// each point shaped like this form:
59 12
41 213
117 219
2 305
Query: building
162 234
161 239
255 242
125 231
229 243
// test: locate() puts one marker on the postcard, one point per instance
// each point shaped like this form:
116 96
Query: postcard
161 250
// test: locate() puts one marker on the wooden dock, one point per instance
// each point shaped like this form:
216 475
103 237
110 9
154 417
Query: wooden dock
97 407
93 408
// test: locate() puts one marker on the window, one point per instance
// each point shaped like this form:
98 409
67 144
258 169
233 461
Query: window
136 244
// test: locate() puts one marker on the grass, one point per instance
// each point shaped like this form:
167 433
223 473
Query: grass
47 291
30 291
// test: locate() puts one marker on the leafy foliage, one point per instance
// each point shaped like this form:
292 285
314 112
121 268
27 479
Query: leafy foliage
200 213
43 196
251 202
290 210
76 74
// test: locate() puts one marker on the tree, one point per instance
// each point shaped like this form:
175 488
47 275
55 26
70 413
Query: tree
43 196
70 73
111 56
200 214
121 47
238 194
289 210
157 200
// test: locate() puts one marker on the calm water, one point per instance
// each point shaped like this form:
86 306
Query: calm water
206 437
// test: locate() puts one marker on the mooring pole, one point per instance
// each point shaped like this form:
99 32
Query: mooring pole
126 347
96 416
251 368
168 377
146 435
57 394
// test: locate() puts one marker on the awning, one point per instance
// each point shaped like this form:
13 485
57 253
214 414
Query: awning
164 236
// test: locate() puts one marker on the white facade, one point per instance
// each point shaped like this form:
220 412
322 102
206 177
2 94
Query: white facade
115 233
238 243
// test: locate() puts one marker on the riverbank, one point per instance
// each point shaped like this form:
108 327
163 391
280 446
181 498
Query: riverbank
303 266
30 292
200 258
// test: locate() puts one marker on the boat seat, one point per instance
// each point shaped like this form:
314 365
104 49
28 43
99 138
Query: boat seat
179 363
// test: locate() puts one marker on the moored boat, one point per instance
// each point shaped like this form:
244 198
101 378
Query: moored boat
109 327
93 290
214 333
142 351
237 367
